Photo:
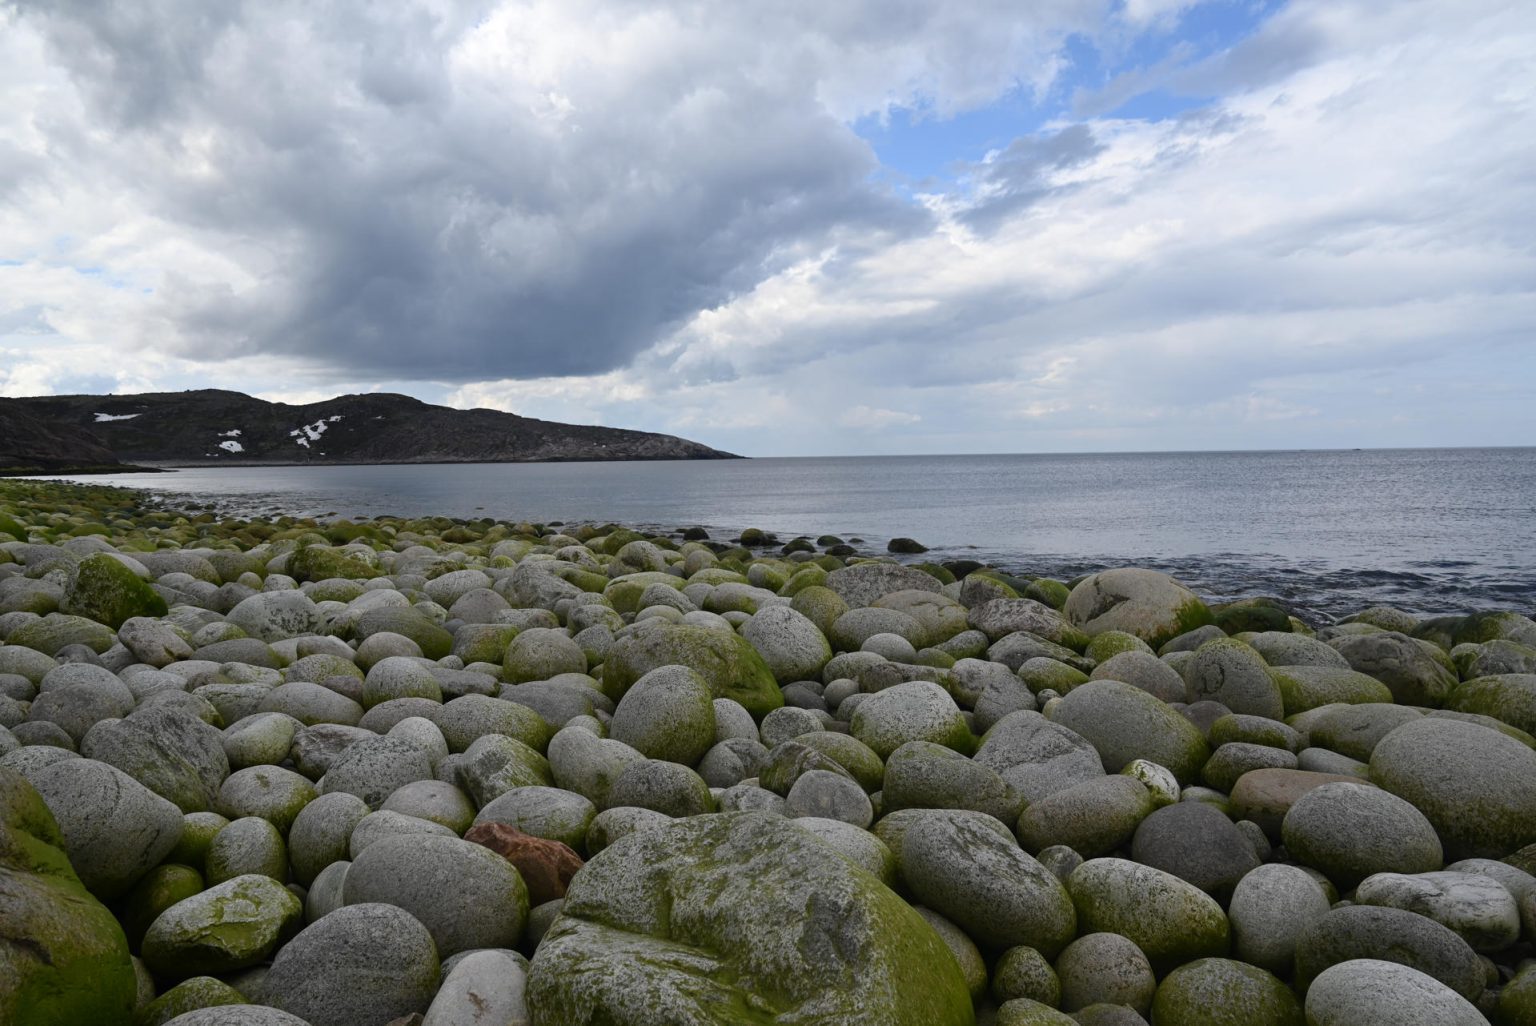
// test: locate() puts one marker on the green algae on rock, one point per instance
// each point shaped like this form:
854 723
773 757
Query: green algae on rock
63 957
739 918
727 662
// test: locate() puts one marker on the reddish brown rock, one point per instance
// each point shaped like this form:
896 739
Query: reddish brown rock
546 866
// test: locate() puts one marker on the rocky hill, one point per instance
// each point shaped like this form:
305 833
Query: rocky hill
32 445
210 427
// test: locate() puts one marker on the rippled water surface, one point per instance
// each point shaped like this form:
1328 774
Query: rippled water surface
1430 530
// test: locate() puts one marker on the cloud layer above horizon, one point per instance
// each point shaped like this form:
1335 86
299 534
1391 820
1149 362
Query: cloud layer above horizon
795 228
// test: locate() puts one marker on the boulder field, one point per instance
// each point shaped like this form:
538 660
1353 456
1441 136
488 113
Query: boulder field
481 773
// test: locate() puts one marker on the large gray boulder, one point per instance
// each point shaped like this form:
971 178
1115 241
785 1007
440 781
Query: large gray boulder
1148 604
1393 934
172 753
863 583
1270 908
115 829
63 957
792 646
1350 831
915 711
374 768
320 833
1476 785
236 1015
744 911
275 615
361 965
1172 921
1369 992
484 988
1124 723
1037 757
1479 909
1227 671
961 866
1197 843
1403 664
667 714
466 895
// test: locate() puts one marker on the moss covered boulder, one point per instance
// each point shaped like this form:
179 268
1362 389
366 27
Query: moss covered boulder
1303 688
189 996
321 563
63 957
56 630
1508 697
727 662
743 919
431 638
1172 921
1223 992
105 590
229 926
1153 606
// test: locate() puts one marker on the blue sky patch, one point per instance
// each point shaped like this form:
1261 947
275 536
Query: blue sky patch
1129 76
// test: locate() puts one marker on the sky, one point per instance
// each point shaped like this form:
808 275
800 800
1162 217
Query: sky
791 228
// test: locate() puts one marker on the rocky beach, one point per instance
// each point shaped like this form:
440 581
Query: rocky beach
277 771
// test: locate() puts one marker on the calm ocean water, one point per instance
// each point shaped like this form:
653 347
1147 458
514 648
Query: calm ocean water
1430 530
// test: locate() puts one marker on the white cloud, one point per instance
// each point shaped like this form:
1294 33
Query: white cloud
657 216
870 418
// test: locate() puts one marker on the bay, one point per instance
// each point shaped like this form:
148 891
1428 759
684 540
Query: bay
1430 530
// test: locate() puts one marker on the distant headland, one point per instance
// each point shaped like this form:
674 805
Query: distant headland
212 427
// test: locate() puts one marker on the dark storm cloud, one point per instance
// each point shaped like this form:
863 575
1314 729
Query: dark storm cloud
401 207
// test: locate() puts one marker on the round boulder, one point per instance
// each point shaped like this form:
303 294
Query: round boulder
1197 843
1124 723
115 829
361 965
1474 784
667 714
466 895
1172 921
1350 831
740 910
1270 908
1222 992
1227 671
229 926
1367 992
966 869
1148 604
914 711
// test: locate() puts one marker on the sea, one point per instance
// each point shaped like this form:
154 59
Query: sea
1329 531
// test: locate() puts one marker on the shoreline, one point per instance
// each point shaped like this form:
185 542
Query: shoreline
1320 594
542 753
